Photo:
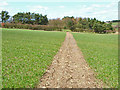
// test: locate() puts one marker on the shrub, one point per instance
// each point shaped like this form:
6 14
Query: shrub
78 30
33 27
110 31
72 28
2 24
65 27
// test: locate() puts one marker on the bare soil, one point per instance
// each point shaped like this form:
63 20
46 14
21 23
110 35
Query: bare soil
69 69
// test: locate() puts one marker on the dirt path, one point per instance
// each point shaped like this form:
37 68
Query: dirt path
69 69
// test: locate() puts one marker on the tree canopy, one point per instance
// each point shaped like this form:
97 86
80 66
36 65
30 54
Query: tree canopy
30 18
4 16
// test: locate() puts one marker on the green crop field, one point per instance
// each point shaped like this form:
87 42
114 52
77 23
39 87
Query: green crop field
101 53
66 30
114 23
26 54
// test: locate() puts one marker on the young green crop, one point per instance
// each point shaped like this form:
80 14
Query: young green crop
114 23
101 53
26 55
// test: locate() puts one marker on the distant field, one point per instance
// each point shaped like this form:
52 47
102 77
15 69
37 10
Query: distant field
101 52
26 55
66 30
114 23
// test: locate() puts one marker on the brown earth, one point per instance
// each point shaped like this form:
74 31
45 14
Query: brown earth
69 69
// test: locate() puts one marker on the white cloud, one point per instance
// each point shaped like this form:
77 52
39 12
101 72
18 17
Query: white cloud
1 8
3 3
70 13
113 4
40 7
61 6
37 9
103 12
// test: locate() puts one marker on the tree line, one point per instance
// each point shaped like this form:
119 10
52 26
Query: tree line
25 18
38 21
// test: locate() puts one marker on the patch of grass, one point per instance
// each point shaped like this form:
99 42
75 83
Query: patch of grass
101 53
114 23
21 29
26 54
0 58
66 30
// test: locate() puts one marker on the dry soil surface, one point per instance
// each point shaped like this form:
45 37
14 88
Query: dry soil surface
69 69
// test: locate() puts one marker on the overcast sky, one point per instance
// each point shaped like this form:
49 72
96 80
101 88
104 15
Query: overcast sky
103 10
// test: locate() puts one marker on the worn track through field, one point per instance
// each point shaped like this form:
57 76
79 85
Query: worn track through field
69 69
